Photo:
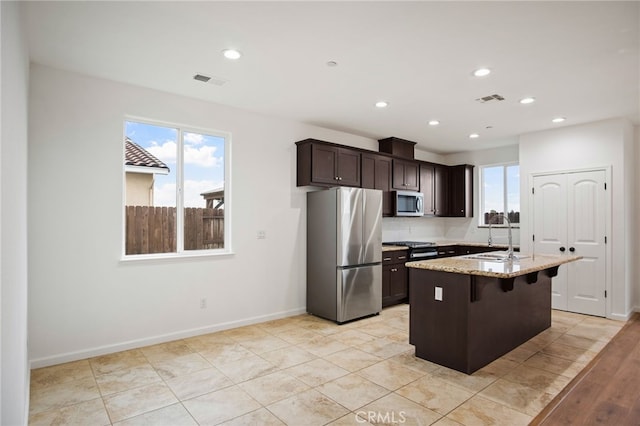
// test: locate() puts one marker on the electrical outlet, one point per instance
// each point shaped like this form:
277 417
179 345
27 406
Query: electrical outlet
438 294
203 303
262 235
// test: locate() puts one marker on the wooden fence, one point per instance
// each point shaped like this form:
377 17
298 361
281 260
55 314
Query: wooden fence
153 229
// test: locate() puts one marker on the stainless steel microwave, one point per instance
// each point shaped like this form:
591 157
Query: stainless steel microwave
408 203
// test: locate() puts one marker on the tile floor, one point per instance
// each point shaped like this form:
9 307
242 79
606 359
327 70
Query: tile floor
307 371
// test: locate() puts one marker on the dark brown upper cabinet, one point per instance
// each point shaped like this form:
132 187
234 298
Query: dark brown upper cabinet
406 175
448 190
441 190
427 187
376 174
325 164
461 191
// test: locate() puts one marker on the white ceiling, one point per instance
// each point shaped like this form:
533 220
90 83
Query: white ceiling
579 60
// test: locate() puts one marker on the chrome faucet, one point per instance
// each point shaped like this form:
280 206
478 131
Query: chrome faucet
503 217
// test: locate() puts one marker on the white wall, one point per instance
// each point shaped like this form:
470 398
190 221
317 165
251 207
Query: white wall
600 144
83 300
14 74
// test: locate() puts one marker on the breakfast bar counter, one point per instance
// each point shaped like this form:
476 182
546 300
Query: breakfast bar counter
467 311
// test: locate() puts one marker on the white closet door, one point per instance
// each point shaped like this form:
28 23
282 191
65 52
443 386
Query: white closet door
550 228
586 232
569 218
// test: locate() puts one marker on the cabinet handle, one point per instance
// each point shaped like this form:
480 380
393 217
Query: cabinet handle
572 249
386 258
402 257
562 249
394 270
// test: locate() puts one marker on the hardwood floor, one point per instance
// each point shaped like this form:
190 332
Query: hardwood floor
607 391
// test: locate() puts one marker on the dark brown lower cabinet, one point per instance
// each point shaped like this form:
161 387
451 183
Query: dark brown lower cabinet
395 278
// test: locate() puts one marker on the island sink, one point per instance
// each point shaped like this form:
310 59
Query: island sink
495 257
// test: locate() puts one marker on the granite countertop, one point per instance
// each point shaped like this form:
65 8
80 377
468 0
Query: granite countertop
489 268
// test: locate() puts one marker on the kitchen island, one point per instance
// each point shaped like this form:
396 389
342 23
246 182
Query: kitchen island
467 311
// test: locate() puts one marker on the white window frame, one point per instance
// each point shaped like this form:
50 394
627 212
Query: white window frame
504 166
180 252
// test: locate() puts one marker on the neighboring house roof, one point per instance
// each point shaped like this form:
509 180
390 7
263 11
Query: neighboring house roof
137 156
214 194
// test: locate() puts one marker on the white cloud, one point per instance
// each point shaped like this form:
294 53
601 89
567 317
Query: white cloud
193 138
202 156
166 152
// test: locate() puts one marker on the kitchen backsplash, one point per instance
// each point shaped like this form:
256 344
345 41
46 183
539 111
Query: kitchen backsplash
440 228
413 229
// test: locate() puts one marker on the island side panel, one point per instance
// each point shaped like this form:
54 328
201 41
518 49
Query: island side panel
479 319
500 321
438 329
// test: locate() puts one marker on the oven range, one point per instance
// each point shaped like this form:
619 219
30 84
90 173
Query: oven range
418 250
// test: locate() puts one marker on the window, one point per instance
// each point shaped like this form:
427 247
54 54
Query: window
176 182
500 193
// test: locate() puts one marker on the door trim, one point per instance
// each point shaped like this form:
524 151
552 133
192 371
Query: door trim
607 225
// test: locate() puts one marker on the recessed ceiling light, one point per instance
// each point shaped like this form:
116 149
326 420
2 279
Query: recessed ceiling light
558 119
474 136
481 72
231 54
527 100
382 104
434 123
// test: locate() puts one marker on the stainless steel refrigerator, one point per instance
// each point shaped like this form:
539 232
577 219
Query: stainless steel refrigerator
344 253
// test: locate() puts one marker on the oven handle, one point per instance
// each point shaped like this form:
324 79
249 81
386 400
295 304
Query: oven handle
423 254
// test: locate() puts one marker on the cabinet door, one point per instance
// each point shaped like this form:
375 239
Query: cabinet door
386 284
376 174
427 178
412 176
399 281
348 167
441 190
324 161
461 191
406 175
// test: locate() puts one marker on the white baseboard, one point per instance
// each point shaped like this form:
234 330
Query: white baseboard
620 317
163 338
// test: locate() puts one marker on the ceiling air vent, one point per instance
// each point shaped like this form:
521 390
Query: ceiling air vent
490 98
211 80
201 77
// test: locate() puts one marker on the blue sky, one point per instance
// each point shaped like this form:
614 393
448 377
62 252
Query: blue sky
493 187
203 161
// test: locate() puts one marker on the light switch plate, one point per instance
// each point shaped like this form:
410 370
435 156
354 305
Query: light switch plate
439 293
